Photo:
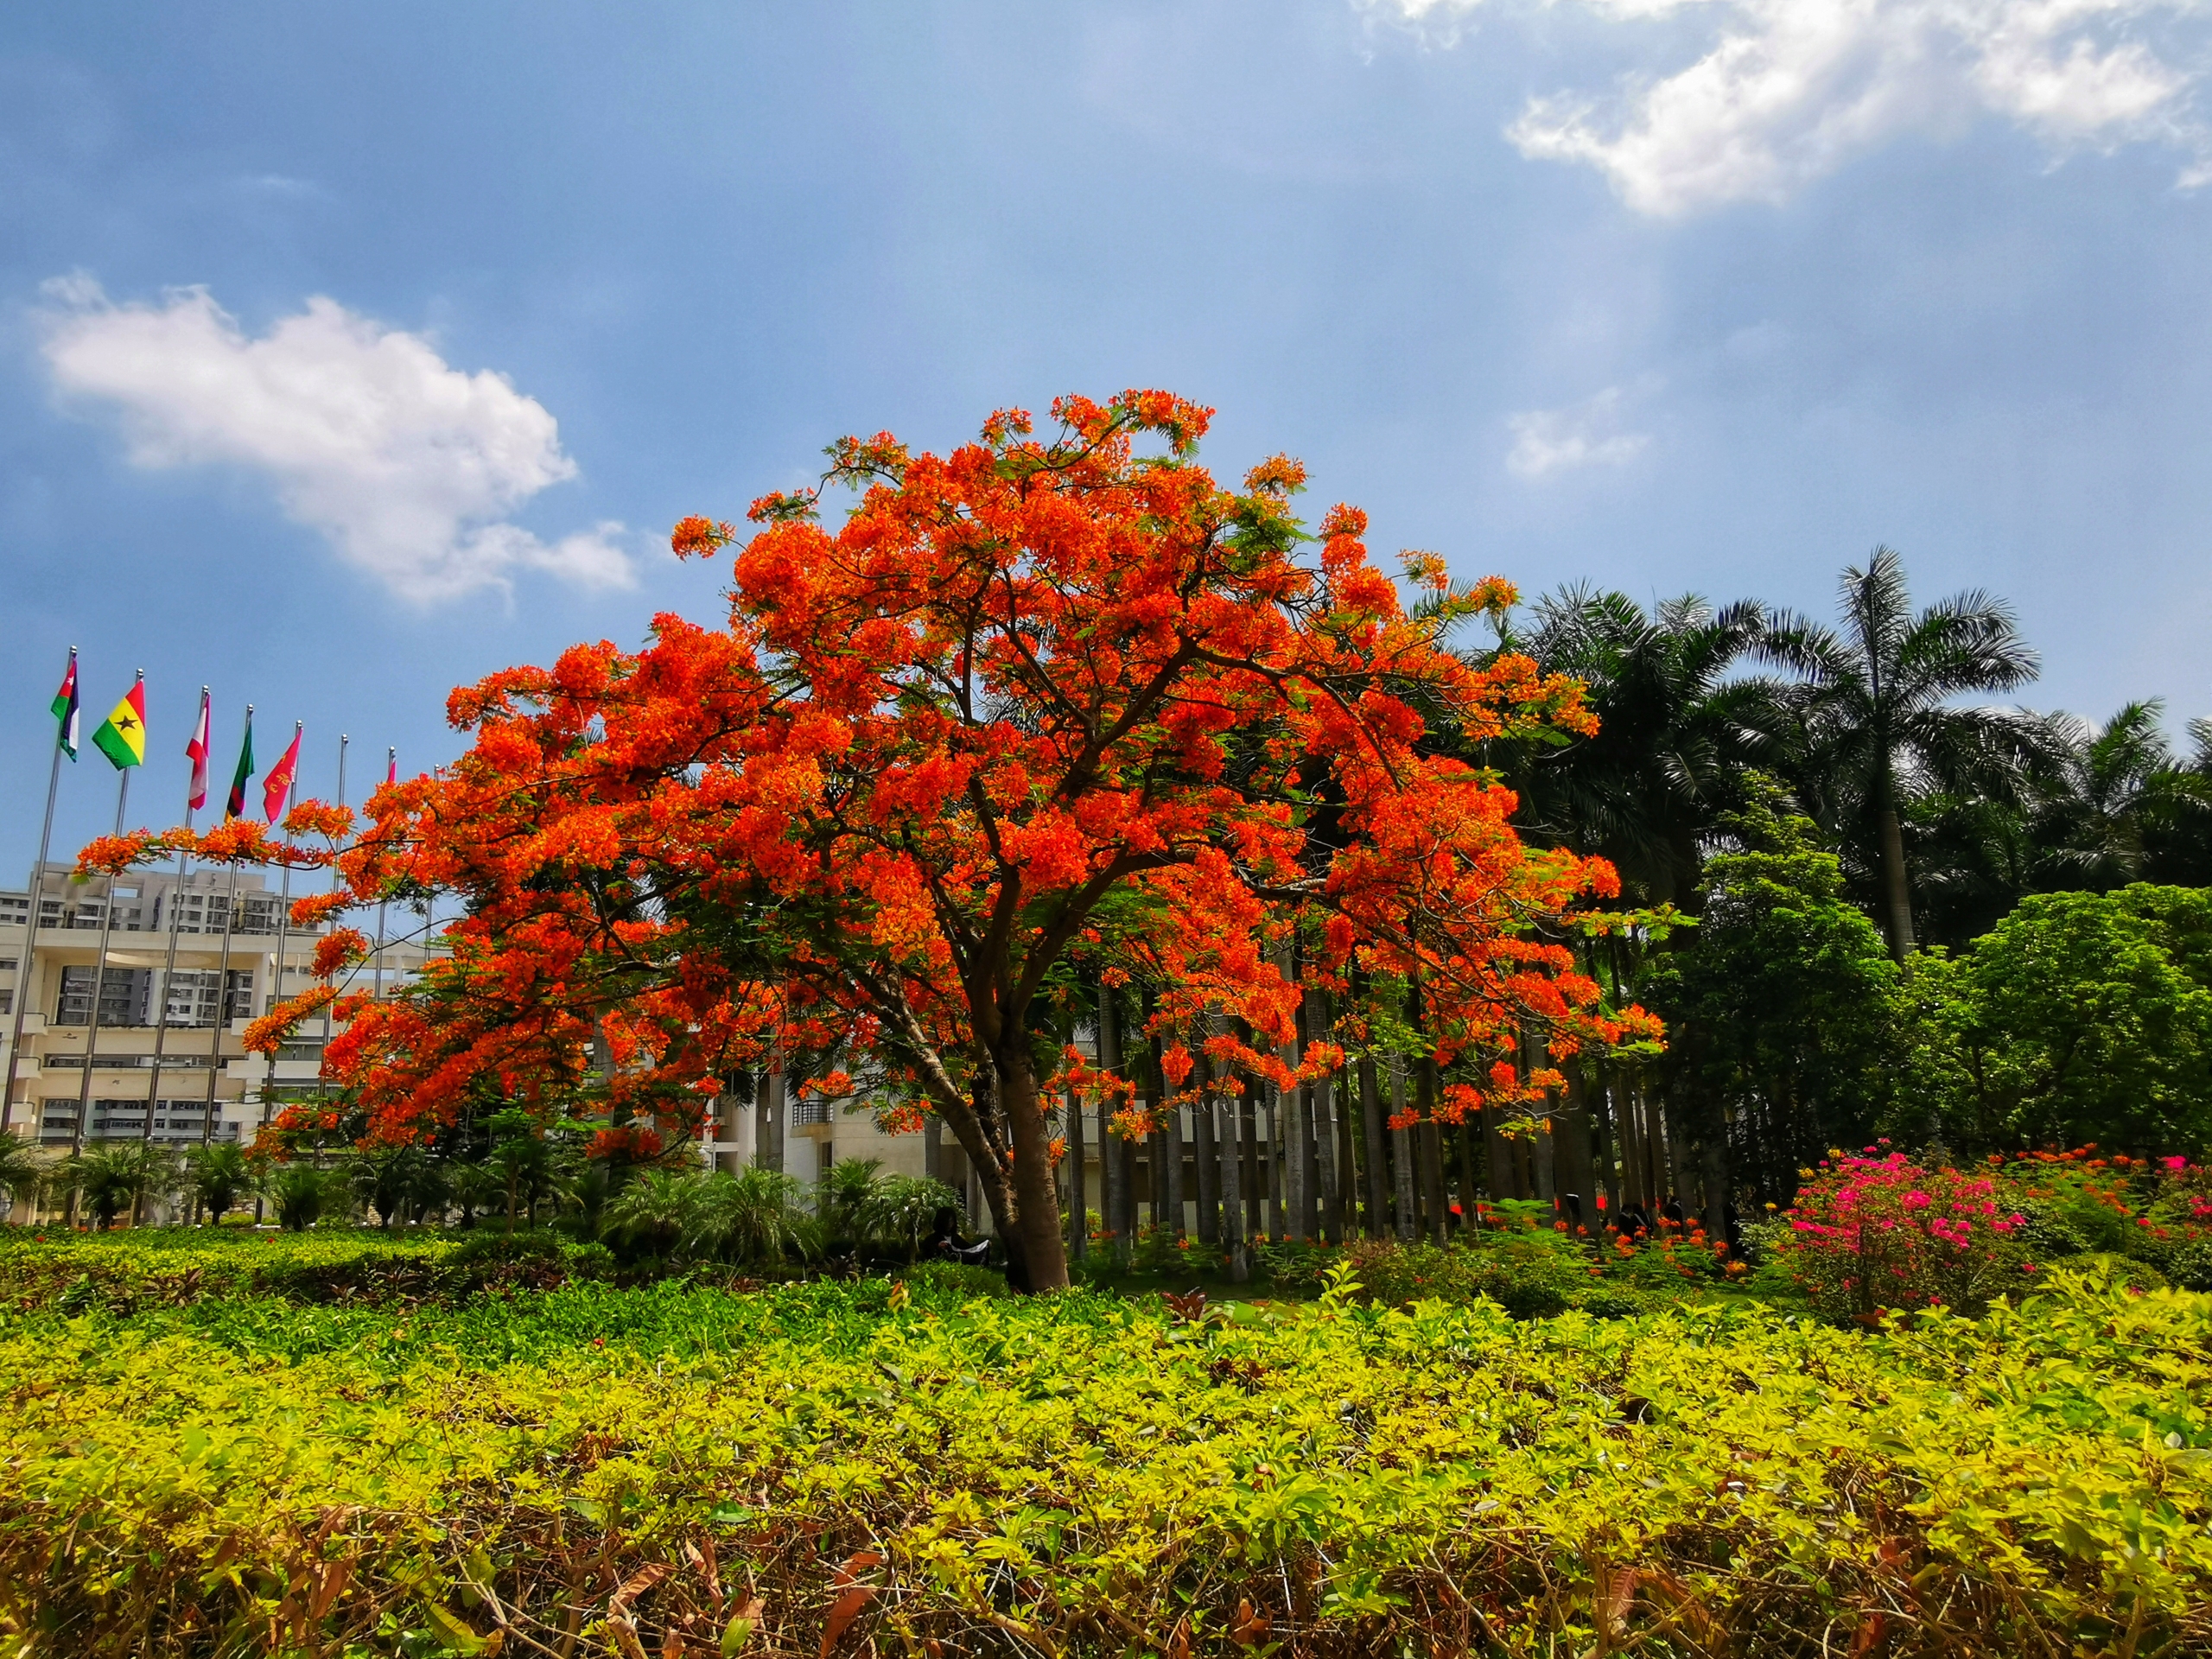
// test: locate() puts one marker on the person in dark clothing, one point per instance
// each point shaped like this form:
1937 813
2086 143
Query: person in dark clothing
944 1243
1673 1211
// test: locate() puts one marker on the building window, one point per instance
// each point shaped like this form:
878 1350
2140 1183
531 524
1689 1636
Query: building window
124 993
8 1000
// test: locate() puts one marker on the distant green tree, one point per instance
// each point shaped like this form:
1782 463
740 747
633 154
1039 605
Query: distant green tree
302 1195
111 1177
2079 1018
1785 1013
25 1170
2109 791
757 1214
523 1155
475 1188
1872 721
216 1174
657 1211
1676 732
393 1181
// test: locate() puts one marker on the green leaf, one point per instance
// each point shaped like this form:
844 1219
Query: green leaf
453 1633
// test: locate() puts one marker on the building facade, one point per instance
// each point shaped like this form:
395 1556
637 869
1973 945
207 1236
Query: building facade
152 1048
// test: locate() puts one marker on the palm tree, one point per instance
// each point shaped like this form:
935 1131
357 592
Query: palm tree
522 1154
390 1180
476 1187
24 1170
754 1216
657 1211
898 1213
217 1173
2106 796
843 1200
1872 721
302 1194
2181 843
118 1175
1675 731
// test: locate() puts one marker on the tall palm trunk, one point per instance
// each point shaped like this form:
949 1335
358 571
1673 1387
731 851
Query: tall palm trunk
1897 890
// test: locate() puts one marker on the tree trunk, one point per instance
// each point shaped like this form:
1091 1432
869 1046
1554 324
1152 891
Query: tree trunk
1165 1179
1233 1229
1897 888
1402 1158
1606 1177
1716 1190
769 1152
1115 1203
1205 1167
1471 1193
1078 1196
1329 1220
1297 1155
1037 1210
1435 1192
1572 1163
1370 1129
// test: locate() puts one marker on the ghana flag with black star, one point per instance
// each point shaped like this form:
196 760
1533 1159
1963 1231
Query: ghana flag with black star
122 735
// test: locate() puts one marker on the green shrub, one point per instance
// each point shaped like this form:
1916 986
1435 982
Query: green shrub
1531 1272
2048 1231
2189 1265
599 1470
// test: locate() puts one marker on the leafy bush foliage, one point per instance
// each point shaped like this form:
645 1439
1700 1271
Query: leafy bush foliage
1529 1274
174 1266
674 1469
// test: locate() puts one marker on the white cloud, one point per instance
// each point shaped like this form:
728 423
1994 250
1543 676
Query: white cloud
408 466
1548 441
1784 91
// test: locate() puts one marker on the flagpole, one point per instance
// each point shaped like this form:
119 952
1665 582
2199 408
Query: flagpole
342 741
391 764
283 924
26 983
160 1004
223 982
99 987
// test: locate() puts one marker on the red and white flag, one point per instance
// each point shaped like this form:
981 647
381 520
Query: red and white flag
196 752
277 786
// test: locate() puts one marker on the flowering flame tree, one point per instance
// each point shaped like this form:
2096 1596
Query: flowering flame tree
1034 701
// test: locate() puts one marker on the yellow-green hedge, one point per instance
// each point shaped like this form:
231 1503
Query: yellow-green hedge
1077 1475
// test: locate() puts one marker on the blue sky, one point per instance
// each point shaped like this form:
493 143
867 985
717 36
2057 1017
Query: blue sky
349 352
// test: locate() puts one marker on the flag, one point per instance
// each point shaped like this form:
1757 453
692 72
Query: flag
390 767
277 787
236 805
122 735
65 707
196 752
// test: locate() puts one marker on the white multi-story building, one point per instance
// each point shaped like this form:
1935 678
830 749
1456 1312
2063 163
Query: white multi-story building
161 1056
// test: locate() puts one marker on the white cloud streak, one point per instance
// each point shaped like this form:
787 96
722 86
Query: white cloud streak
408 467
1786 91
1550 441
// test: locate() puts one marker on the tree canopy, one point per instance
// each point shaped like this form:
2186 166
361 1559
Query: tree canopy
1036 706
